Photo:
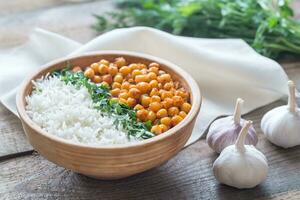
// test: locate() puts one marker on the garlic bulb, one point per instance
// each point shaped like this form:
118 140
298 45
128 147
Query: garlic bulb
281 125
239 165
224 131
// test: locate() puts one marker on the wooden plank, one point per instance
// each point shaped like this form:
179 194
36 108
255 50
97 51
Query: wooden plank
187 176
293 71
70 20
13 139
16 6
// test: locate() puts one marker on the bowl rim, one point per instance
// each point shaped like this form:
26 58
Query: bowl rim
196 99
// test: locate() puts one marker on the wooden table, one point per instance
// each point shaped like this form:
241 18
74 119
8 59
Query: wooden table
26 175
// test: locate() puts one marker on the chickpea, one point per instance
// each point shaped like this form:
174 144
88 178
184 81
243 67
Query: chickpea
118 78
142 114
131 80
166 121
133 66
145 100
125 85
182 114
186 107
181 93
123 95
168 86
160 85
161 91
95 66
142 66
161 72
153 92
114 99
155 98
176 84
107 78
122 101
143 87
123 90
173 91
178 101
162 113
154 106
140 78
154 64
125 70
154 70
116 85
132 86
138 107
166 94
173 111
120 62
151 76
176 119
89 72
112 70
131 102
105 84
104 62
163 127
115 92
164 78
151 116
144 71
76 69
134 93
129 76
156 129
153 83
97 79
135 73
103 69
167 103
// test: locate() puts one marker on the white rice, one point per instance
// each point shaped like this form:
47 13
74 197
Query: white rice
67 112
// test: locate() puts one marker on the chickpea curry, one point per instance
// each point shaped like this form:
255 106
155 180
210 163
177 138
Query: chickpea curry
149 90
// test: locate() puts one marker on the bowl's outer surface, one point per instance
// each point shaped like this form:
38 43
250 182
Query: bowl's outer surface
110 162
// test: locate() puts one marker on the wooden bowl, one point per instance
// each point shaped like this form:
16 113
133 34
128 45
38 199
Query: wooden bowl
114 161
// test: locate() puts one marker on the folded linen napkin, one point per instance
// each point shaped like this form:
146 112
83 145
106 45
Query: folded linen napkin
224 68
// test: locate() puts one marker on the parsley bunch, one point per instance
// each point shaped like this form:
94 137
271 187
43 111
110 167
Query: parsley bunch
124 116
267 25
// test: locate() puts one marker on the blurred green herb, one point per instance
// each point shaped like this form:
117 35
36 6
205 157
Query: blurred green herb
124 116
266 25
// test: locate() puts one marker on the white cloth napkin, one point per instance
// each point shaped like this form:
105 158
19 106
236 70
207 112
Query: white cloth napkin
224 68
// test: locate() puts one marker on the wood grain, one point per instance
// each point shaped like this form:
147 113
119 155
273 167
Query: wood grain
187 176
12 7
12 135
70 20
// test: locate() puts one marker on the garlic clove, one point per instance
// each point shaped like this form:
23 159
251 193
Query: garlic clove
281 125
240 165
224 131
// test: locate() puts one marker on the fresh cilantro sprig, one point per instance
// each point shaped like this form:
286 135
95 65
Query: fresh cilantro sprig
124 116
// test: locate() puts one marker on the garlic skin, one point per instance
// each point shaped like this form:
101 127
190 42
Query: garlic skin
281 125
224 131
241 166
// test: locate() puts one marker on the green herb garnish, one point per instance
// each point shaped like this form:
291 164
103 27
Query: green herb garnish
267 25
124 116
